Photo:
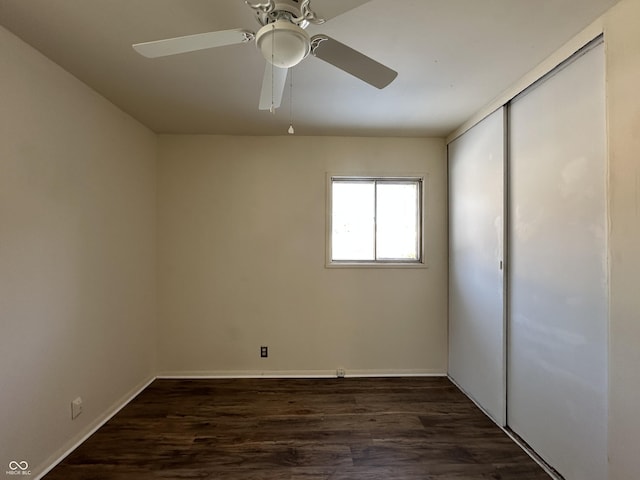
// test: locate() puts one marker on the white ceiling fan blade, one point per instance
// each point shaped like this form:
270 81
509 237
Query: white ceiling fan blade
273 85
191 43
351 61
330 9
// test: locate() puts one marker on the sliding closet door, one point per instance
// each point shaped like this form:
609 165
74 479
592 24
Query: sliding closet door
476 326
557 362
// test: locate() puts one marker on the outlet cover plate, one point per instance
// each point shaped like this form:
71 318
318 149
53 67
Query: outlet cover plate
76 408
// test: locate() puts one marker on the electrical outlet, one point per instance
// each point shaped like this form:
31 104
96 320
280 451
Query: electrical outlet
264 352
76 408
340 373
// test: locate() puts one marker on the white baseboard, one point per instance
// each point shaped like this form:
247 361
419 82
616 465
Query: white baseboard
395 373
76 441
224 374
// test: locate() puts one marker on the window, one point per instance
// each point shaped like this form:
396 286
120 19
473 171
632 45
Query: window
375 220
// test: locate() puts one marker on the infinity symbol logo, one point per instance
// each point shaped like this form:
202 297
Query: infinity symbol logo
23 465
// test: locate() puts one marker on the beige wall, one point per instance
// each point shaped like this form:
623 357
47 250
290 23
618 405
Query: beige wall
77 256
242 261
622 34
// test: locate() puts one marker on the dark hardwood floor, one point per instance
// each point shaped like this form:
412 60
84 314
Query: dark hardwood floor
320 429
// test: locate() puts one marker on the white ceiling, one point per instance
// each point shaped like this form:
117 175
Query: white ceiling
452 56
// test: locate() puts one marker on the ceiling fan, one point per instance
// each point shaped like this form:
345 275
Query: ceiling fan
284 43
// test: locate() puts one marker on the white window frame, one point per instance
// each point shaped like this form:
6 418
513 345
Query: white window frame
422 178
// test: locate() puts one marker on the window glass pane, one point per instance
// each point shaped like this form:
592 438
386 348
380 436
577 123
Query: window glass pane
353 221
398 225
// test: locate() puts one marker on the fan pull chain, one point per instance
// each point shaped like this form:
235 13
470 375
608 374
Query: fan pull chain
291 130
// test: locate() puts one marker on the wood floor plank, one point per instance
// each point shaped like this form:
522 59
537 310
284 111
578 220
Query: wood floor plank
320 429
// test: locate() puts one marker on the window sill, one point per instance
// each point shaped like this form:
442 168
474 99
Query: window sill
400 265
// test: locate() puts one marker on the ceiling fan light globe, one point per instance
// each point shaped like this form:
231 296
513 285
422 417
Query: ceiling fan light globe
283 44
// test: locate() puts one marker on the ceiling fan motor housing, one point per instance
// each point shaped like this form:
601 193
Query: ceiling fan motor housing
291 6
274 10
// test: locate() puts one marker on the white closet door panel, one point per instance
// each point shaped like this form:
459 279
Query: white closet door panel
557 374
476 204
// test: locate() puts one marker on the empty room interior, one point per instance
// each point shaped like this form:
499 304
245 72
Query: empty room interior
326 239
